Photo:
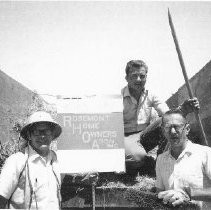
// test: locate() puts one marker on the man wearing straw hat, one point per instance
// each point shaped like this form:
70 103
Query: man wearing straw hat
30 179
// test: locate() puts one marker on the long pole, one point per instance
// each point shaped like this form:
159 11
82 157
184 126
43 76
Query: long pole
185 75
93 196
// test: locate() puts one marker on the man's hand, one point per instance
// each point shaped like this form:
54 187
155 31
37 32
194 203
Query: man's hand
174 197
189 106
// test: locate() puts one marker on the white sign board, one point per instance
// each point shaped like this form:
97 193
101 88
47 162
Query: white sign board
92 136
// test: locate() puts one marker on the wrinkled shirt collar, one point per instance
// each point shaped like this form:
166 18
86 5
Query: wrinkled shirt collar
33 155
189 149
126 92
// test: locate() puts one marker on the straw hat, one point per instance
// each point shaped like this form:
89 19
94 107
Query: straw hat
38 117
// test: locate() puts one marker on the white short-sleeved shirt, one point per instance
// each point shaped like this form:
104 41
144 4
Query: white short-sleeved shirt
137 115
192 168
44 176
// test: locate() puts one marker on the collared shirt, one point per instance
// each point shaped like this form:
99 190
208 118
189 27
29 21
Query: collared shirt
192 168
138 115
43 175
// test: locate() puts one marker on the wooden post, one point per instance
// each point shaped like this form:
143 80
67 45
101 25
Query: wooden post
185 75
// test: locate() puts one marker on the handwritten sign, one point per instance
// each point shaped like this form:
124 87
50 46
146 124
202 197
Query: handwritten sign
91 131
92 135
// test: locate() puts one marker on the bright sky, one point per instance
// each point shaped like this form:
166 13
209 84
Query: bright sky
74 48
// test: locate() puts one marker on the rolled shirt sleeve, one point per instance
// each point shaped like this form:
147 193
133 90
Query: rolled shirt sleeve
10 175
160 106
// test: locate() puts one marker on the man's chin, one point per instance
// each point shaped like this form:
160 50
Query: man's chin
137 87
175 141
43 148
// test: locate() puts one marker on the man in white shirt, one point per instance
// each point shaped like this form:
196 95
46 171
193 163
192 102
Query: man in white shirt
183 172
30 179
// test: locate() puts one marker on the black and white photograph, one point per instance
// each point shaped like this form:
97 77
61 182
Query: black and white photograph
105 105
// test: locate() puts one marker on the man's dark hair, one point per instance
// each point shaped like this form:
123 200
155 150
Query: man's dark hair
136 64
173 111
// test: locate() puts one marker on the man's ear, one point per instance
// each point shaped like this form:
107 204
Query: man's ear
187 129
126 78
53 131
28 134
162 129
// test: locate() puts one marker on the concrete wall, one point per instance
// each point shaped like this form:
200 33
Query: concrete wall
14 101
201 86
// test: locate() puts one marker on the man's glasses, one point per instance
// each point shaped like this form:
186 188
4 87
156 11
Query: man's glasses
46 132
135 76
178 128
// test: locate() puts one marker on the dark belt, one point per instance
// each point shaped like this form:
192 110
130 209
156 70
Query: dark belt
131 133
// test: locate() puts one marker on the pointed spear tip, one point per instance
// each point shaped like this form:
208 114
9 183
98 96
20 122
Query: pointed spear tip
169 17
169 14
